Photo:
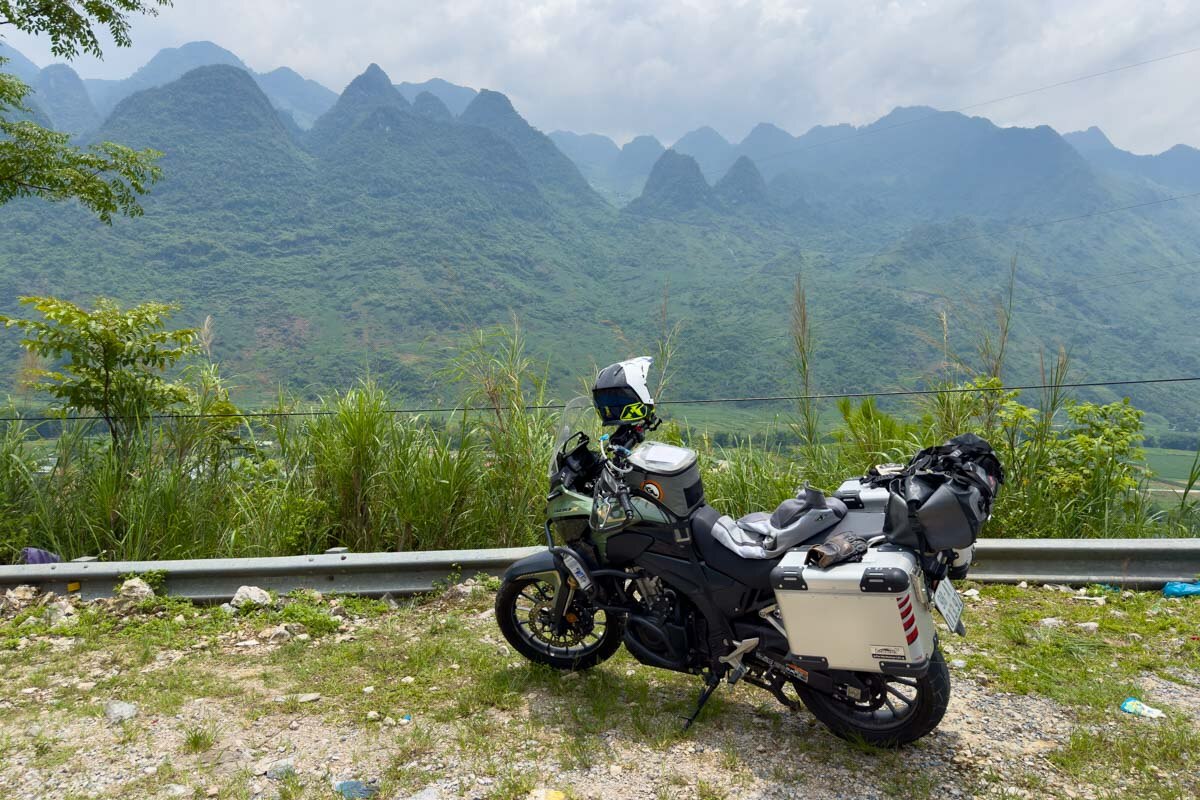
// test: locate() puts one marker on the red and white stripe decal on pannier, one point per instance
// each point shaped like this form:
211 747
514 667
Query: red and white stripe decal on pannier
908 618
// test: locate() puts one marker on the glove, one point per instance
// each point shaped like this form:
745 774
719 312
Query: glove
838 549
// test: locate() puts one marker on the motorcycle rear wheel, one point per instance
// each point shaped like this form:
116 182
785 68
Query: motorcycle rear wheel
900 711
523 610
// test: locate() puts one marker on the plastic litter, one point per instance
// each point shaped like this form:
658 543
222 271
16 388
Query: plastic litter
1181 589
355 790
1132 705
36 555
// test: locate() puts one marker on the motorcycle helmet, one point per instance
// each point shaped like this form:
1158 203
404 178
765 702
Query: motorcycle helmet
620 394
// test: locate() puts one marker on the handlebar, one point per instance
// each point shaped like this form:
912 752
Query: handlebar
623 498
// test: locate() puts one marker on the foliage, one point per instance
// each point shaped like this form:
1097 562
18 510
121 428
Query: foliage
71 24
106 178
109 360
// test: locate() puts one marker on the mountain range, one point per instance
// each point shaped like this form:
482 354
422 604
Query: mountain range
331 233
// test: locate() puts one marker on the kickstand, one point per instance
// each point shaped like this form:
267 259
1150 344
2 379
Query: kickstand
710 686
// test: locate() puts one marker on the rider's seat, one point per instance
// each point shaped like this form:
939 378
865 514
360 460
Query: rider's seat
747 549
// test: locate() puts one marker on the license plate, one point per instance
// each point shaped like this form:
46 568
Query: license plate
947 601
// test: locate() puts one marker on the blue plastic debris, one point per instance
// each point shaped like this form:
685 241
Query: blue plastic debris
1181 589
1132 705
35 555
355 790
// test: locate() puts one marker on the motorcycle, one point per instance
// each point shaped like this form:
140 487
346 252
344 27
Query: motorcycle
826 602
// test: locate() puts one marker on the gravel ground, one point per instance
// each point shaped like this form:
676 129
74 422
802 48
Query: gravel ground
57 740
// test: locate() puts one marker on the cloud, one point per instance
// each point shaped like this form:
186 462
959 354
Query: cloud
628 67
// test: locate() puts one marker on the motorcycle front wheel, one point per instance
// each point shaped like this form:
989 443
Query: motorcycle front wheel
524 611
898 710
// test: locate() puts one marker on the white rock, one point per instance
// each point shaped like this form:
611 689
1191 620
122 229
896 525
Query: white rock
251 596
407 679
1051 622
372 715
116 711
1089 627
389 722
135 590
22 594
1023 585
428 793
958 663
368 689
971 593
278 635
247 643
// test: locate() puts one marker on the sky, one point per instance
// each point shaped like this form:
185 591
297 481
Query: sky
626 67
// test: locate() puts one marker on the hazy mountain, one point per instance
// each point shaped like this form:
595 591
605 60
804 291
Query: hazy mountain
1179 166
554 172
710 149
633 165
305 99
428 105
61 94
675 184
592 152
743 187
456 97
17 64
167 65
377 239
211 124
367 92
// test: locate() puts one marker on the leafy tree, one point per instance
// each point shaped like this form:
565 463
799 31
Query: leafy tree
106 178
109 360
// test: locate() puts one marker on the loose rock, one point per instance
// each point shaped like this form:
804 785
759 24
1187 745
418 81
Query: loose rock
117 711
132 593
251 596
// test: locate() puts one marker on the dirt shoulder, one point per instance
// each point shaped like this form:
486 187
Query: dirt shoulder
424 699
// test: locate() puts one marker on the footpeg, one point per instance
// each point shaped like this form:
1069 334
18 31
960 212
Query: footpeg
734 659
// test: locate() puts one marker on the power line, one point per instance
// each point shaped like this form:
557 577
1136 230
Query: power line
872 130
1091 288
690 402
1011 228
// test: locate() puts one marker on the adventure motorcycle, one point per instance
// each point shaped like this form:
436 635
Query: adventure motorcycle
825 602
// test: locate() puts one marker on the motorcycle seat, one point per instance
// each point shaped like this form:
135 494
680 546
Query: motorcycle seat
794 522
752 572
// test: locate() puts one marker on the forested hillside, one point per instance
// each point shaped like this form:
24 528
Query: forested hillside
410 214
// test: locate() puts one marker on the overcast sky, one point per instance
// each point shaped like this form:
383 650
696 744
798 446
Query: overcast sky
665 67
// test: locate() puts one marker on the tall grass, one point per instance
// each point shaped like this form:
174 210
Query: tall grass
359 476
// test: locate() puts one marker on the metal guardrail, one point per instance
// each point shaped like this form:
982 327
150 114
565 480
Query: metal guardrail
217 579
1133 563
1142 563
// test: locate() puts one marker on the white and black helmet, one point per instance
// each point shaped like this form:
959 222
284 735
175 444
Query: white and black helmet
620 394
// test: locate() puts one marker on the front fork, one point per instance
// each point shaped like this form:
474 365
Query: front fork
562 568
